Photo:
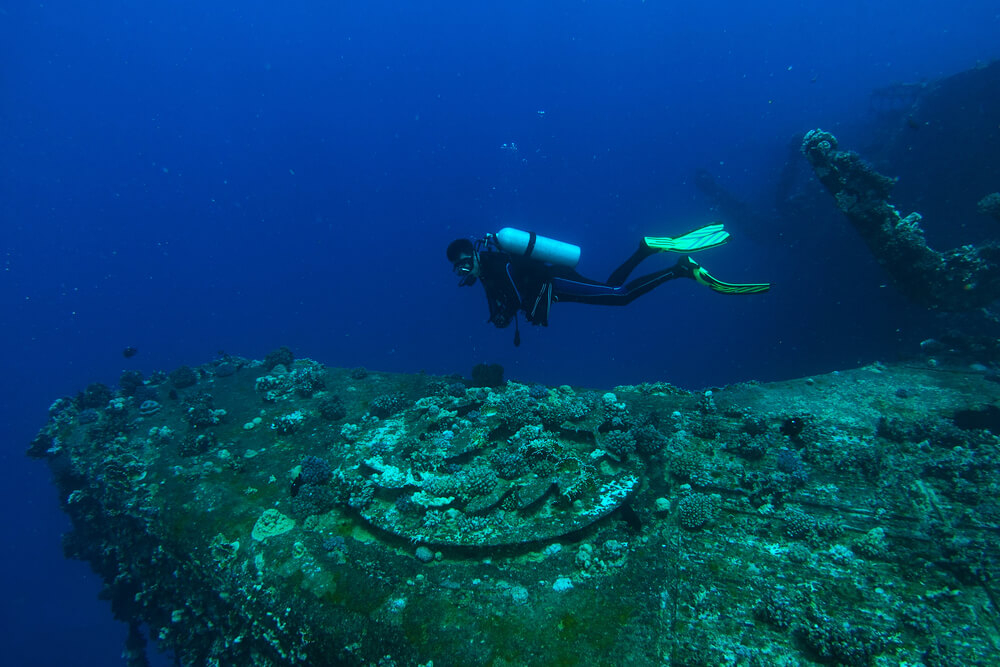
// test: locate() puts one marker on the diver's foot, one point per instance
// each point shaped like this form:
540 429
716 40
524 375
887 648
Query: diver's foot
687 267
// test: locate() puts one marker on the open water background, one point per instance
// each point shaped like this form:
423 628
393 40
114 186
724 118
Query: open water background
189 177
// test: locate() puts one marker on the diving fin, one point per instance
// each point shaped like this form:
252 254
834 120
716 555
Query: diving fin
702 238
713 283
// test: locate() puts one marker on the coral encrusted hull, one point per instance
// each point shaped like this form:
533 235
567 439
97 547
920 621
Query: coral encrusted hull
290 513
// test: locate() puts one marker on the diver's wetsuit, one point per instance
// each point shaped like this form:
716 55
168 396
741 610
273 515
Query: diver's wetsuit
515 283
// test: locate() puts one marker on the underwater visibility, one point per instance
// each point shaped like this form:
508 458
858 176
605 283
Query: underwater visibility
282 512
386 469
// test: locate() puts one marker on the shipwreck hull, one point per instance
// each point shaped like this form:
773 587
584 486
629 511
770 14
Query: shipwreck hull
311 515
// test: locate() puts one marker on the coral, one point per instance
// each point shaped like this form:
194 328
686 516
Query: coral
753 425
313 499
88 416
766 487
874 544
508 464
564 409
332 408
990 205
386 404
129 381
692 467
477 481
466 485
149 408
316 470
839 642
183 377
110 425
193 445
223 550
798 524
307 380
535 444
334 543
562 584
616 413
224 369
790 462
538 391
897 430
161 434
708 426
455 390
748 446
96 395
282 384
157 378
271 523
694 510
61 409
281 356
351 489
973 560
350 432
200 412
361 495
273 387
387 475
868 458
514 409
619 443
649 440
775 609
289 423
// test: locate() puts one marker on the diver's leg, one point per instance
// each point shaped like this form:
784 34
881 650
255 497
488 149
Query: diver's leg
703 238
636 288
616 295
622 295
619 275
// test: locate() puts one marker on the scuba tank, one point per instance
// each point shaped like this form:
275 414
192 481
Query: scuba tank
542 248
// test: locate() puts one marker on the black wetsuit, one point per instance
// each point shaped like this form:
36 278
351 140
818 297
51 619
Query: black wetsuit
515 283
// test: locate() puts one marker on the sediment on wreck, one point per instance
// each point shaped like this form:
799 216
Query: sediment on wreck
292 513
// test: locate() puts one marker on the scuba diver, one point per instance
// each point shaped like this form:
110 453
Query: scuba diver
527 272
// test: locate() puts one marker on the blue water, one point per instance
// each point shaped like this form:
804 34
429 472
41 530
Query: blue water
190 177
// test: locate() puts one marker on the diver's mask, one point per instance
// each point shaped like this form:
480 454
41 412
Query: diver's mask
464 258
464 268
